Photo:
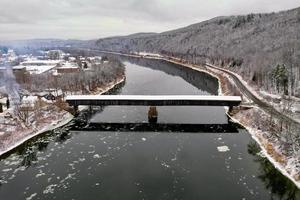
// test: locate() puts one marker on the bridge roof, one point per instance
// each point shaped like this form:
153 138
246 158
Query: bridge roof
153 97
158 100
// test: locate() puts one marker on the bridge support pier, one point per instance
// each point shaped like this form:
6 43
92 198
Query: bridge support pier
75 107
152 115
230 109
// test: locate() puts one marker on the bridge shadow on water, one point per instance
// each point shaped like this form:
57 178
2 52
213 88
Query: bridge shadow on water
149 127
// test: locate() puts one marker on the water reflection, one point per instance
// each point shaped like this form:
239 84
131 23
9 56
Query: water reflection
200 80
279 185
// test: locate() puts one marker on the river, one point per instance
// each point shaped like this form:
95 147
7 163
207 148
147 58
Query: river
113 153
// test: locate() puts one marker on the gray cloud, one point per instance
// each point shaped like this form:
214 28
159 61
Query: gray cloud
86 19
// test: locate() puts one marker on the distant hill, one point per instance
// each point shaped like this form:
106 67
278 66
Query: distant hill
30 46
252 45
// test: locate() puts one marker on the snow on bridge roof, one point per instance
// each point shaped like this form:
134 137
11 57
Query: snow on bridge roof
153 97
159 100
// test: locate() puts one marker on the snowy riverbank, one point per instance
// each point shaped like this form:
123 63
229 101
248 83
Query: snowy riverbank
21 138
53 119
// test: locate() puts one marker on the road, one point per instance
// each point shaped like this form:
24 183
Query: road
266 107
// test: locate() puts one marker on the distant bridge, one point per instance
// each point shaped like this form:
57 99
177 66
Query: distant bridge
153 100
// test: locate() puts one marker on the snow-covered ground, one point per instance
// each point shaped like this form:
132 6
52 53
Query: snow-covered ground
69 65
20 136
14 132
289 106
149 54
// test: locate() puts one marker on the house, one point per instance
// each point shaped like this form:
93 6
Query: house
68 67
67 70
53 94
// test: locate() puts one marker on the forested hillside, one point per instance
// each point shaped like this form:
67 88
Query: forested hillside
263 48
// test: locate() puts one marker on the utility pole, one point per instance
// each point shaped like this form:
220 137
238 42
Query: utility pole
7 103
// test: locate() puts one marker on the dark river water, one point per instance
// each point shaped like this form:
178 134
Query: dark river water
113 153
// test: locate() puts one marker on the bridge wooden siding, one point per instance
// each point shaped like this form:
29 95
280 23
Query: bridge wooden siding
153 100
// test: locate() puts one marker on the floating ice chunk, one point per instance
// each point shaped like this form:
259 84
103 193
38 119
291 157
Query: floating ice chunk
41 173
31 196
50 189
96 156
223 149
3 182
38 175
6 170
165 165
261 154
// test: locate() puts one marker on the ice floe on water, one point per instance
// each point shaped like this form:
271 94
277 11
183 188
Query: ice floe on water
41 173
72 165
7 170
223 148
31 196
96 156
261 154
50 189
165 165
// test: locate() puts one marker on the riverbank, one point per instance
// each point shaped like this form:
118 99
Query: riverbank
52 119
252 117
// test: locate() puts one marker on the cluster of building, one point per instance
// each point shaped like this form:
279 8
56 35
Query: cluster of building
54 62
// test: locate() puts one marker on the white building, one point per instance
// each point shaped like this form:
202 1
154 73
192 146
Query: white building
38 66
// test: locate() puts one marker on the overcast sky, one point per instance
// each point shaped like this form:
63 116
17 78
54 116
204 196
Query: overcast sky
91 19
